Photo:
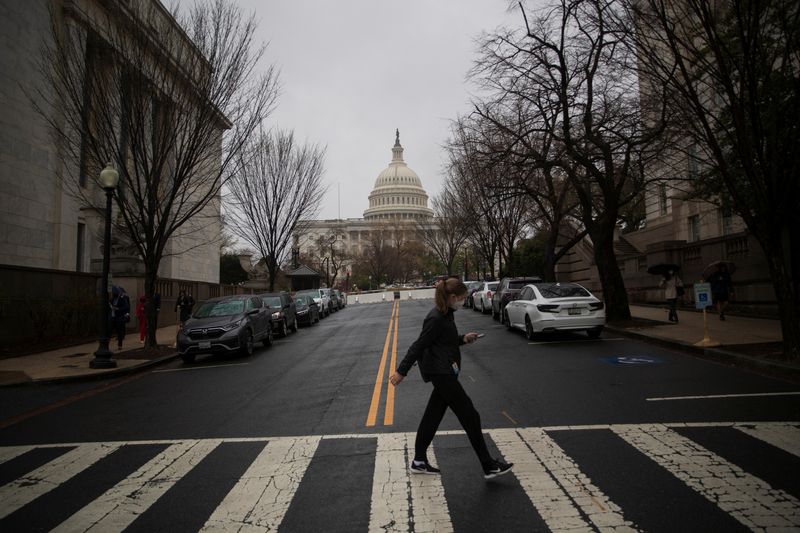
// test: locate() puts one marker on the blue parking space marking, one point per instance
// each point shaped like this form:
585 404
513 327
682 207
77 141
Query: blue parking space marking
632 360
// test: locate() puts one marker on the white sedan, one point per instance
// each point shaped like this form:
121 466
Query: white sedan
546 307
482 298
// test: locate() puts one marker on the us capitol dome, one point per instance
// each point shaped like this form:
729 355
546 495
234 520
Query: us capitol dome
398 192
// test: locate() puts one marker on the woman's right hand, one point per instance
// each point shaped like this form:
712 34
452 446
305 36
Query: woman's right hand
396 378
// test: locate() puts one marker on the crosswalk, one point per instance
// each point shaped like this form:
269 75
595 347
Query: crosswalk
263 489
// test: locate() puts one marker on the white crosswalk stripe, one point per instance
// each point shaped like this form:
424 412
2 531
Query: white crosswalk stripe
783 436
8 453
748 499
562 495
44 479
260 499
120 505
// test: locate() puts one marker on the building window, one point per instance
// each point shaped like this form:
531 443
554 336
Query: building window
693 165
80 249
726 220
694 228
662 198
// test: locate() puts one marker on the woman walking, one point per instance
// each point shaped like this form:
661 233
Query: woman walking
673 287
439 357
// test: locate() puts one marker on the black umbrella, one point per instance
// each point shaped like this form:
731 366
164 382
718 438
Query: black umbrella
712 267
662 268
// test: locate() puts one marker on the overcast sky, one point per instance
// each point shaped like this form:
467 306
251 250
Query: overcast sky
353 71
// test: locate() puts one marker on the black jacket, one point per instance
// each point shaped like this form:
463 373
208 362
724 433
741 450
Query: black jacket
437 347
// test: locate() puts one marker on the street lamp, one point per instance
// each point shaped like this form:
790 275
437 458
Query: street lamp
102 357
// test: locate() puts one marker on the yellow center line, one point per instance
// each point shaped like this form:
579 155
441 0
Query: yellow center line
388 417
376 391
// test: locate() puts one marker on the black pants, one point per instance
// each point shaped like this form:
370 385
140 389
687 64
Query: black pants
119 328
448 392
673 309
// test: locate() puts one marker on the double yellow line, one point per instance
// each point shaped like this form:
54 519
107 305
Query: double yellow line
388 417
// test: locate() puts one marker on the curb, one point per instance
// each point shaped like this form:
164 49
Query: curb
95 377
777 369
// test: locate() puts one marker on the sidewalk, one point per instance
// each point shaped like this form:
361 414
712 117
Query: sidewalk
751 342
744 341
72 362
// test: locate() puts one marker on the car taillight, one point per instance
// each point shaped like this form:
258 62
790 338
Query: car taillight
596 306
489 294
547 308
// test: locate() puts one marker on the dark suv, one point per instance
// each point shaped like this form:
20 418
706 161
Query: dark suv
506 291
284 311
224 325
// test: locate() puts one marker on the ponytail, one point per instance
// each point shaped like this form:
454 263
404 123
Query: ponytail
445 288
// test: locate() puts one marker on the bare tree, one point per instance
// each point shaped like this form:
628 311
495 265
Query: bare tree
730 70
278 186
444 234
169 100
574 67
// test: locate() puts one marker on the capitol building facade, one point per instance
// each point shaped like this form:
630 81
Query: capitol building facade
398 205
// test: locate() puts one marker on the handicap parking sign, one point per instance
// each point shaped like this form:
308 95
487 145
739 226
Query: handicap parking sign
702 295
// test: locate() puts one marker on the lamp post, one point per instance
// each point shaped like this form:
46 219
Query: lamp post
102 357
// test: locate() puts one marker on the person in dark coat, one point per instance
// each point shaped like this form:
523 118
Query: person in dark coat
185 303
439 357
120 313
721 288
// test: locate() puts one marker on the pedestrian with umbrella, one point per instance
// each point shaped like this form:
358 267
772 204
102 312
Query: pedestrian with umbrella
672 285
718 274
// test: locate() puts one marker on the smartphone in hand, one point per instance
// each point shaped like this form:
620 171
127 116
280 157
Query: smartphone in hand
481 335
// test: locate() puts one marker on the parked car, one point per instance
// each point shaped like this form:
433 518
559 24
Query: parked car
327 303
224 325
545 307
307 309
505 293
284 311
314 293
335 303
472 286
342 299
482 298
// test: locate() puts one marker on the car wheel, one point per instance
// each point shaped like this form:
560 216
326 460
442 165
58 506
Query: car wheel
247 345
284 328
188 358
595 333
495 316
294 325
529 333
268 339
507 320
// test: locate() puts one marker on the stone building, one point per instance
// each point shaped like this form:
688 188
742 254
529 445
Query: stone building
397 203
42 225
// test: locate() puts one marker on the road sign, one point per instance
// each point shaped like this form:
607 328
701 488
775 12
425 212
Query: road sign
702 295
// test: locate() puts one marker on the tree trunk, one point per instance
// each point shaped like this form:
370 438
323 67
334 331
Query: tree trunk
550 256
614 293
785 283
150 276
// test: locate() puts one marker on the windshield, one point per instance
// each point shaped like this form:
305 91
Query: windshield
493 286
561 290
272 301
517 284
220 308
301 301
